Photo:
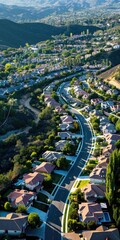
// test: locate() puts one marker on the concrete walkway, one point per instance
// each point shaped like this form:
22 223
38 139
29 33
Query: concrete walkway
46 193
70 158
61 172
84 178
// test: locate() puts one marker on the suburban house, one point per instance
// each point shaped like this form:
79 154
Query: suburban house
94 191
65 126
115 108
108 150
21 197
103 162
96 101
98 175
52 103
65 135
60 144
101 233
51 156
104 121
112 138
33 181
45 167
90 212
58 109
85 96
13 224
66 119
107 104
109 128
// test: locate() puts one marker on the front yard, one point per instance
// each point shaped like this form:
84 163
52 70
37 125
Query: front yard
41 206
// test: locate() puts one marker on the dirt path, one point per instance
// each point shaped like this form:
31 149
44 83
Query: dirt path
25 101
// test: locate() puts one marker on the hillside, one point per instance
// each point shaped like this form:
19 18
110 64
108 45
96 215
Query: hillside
112 76
15 34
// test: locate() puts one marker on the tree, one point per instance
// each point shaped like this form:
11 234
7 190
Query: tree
117 144
34 219
113 178
29 164
72 224
21 209
47 180
91 225
55 96
62 163
76 126
7 206
33 154
69 148
117 126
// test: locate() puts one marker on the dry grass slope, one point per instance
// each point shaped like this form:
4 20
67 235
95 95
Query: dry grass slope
111 76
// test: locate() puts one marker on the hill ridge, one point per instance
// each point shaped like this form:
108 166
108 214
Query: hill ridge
17 34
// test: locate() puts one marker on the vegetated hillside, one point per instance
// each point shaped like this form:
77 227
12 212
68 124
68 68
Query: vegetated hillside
112 56
15 34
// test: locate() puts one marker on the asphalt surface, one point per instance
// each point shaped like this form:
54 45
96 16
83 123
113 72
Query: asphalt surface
53 223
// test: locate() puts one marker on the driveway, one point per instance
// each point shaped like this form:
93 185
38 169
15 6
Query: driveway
42 215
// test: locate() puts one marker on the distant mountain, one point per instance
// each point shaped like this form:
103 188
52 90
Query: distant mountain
17 34
22 10
67 3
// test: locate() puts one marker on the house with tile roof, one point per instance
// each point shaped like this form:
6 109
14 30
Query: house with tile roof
45 167
111 138
33 181
51 156
98 175
108 150
67 119
90 212
103 162
101 233
65 135
21 197
94 191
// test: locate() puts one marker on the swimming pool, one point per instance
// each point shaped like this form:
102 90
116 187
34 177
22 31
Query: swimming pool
107 217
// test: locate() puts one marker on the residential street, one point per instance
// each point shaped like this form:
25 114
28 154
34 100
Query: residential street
53 224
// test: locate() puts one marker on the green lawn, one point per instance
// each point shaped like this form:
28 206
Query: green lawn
83 183
56 178
93 161
49 188
41 197
41 206
85 172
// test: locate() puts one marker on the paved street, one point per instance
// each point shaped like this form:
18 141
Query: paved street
53 224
